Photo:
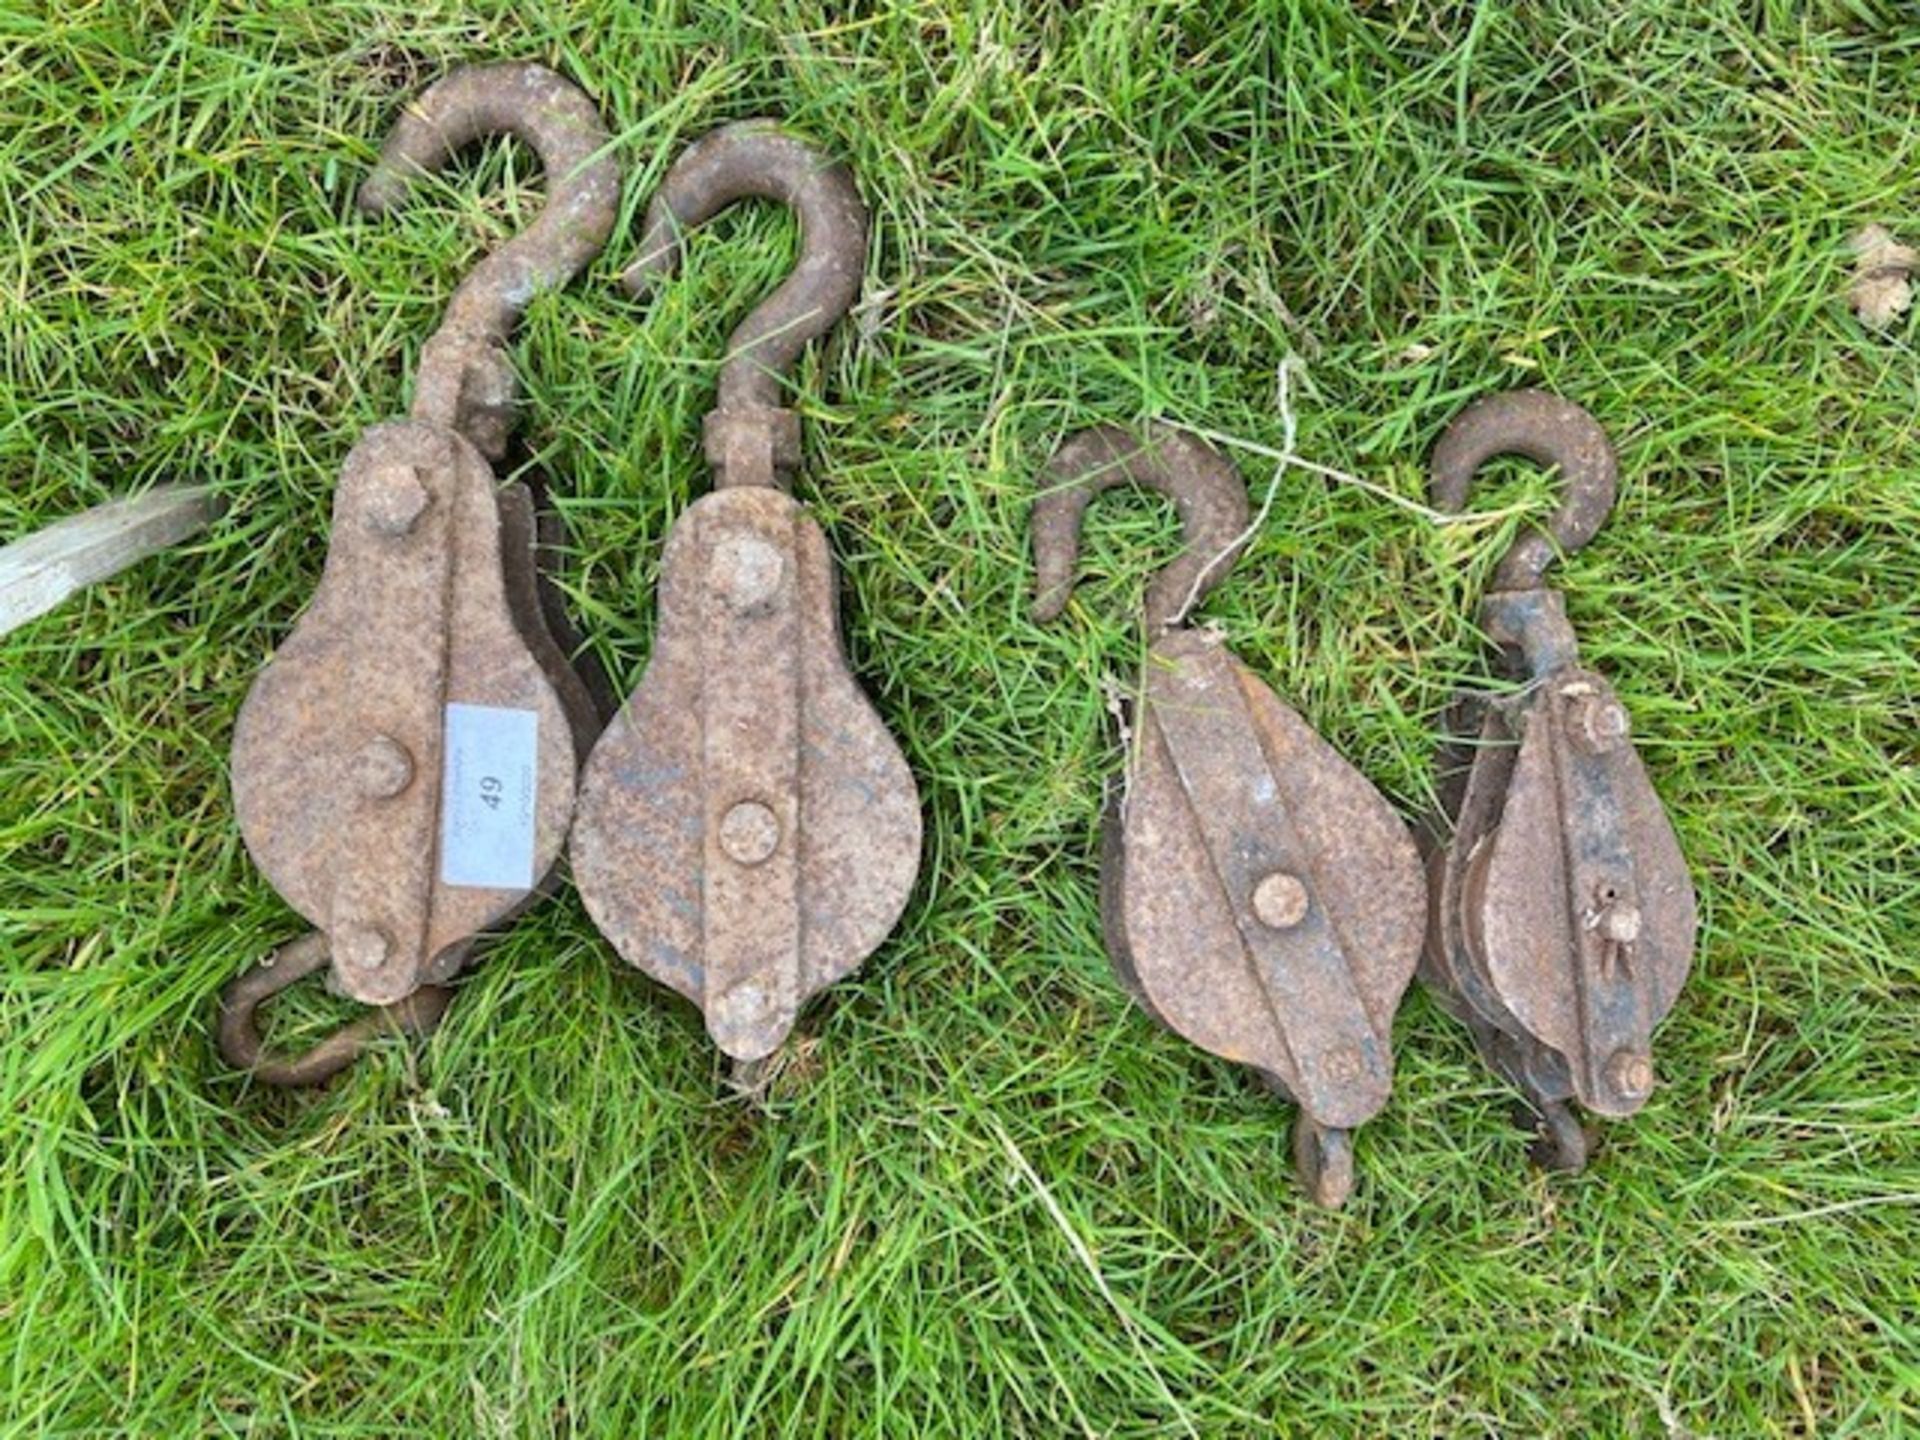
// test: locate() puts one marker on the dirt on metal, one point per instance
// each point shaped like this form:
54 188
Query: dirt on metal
748 832
1259 896
1563 918
428 607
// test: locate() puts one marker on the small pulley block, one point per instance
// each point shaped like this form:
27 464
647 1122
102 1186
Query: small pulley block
1563 917
404 767
1259 896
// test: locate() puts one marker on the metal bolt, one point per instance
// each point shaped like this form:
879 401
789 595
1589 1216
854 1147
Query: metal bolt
363 947
1600 725
743 1007
1343 1064
1280 901
749 833
745 571
383 768
395 499
1620 922
1630 1073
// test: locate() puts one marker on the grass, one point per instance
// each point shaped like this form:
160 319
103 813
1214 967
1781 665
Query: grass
986 1195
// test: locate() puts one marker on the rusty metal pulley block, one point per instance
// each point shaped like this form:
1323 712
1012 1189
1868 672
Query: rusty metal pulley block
1259 896
748 832
1563 918
404 767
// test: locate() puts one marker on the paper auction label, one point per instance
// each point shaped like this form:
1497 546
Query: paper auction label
487 797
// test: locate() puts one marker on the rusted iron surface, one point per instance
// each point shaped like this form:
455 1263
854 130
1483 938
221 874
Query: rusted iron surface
239 1003
1563 917
466 380
404 767
748 832
1259 896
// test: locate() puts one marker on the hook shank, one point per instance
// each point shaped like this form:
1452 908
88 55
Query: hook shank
1202 483
755 159
239 1035
464 381
1547 430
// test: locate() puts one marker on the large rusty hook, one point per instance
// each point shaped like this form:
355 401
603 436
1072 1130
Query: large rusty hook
752 438
466 380
239 1035
1202 484
1549 431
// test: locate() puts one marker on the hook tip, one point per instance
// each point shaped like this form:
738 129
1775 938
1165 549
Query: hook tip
658 259
381 192
1547 429
637 279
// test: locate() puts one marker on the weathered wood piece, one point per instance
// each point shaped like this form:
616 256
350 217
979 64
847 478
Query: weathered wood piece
43 570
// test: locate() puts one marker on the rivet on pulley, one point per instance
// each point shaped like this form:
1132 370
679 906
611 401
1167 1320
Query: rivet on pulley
1600 724
1280 901
749 832
362 947
383 768
1630 1073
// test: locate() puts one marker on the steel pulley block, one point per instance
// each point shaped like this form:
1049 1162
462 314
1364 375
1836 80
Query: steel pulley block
1259 896
748 832
404 767
1563 916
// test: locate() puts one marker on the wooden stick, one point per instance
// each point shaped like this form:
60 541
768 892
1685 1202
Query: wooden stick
42 570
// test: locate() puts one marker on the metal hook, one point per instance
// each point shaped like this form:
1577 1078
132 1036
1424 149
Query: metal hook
752 439
1202 483
1549 431
465 379
239 1036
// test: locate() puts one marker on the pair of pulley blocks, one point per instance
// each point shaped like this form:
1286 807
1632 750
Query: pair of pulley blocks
411 763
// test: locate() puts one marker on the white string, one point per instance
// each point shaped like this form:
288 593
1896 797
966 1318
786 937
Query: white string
1289 431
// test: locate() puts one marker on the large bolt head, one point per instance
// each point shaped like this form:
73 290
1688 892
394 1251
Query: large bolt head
1280 901
395 500
745 572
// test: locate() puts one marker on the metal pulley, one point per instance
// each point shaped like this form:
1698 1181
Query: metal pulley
748 832
1259 896
1563 916
404 767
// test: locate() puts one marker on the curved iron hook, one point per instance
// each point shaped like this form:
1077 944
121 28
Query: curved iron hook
1549 431
239 1036
755 159
1203 484
466 381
